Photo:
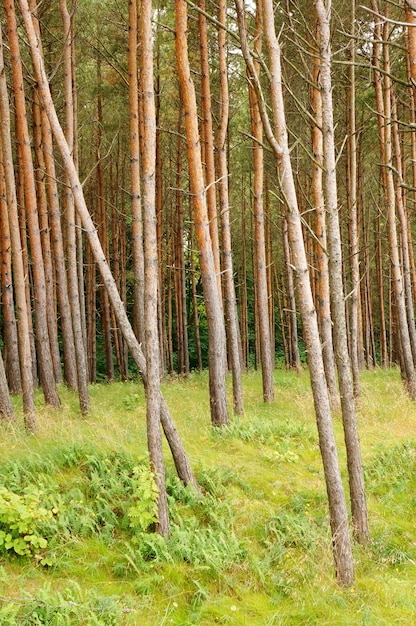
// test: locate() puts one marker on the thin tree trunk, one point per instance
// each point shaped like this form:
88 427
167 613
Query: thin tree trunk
45 239
10 337
21 210
179 262
137 226
353 212
6 407
352 442
294 361
67 334
103 233
215 319
322 288
68 203
195 299
243 302
159 212
231 313
259 236
208 141
153 393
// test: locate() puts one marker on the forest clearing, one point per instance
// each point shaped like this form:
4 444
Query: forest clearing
253 550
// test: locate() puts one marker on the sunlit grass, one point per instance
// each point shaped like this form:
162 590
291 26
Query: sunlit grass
264 552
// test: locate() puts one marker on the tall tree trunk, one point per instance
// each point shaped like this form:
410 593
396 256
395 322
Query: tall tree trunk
231 313
294 356
25 357
353 212
137 226
159 212
195 298
277 137
6 407
10 337
179 262
322 288
68 203
352 442
244 298
404 229
67 334
46 240
384 357
259 236
153 393
40 301
21 210
215 319
103 232
208 141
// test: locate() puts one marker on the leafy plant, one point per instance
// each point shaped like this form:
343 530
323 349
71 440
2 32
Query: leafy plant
21 517
144 511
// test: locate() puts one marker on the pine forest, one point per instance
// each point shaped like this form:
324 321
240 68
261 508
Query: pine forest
207 325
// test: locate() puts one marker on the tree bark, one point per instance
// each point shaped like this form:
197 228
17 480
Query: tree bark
322 289
45 239
10 337
353 213
153 393
231 313
352 442
262 310
215 319
137 226
68 203
208 142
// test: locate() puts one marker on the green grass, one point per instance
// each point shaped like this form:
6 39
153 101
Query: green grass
255 550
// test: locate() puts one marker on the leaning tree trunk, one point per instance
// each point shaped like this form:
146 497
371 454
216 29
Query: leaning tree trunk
215 318
178 452
277 137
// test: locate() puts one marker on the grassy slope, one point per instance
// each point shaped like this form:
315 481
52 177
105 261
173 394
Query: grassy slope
264 555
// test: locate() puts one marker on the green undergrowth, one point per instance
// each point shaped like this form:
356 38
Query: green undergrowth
77 513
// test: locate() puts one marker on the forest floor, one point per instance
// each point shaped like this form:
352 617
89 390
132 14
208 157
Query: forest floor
255 550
